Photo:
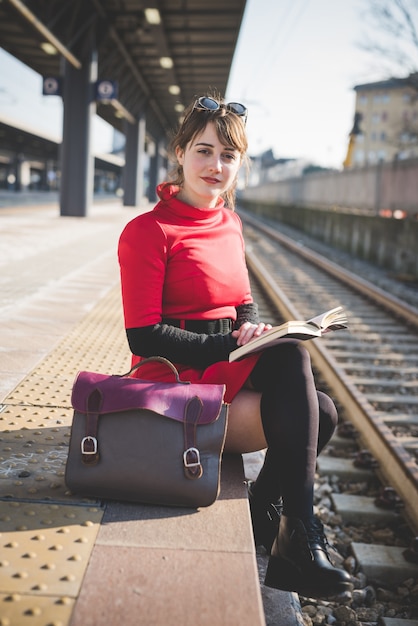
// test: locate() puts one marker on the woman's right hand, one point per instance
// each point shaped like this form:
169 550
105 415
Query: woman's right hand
249 331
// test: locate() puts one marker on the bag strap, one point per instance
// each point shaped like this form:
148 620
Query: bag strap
191 455
89 449
158 359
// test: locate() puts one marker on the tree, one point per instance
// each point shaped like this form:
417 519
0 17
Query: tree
392 41
392 36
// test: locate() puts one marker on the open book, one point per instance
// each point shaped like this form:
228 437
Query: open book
334 319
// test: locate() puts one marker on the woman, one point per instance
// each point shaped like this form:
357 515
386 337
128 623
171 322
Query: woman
187 297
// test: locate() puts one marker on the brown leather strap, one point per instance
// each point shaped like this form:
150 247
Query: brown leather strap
89 444
191 456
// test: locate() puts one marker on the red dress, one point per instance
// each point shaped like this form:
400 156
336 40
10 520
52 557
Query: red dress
181 262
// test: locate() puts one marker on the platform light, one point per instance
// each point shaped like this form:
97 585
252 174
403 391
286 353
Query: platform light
152 16
179 108
48 48
121 112
166 62
174 90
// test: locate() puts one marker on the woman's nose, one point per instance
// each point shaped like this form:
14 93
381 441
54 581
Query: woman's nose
216 164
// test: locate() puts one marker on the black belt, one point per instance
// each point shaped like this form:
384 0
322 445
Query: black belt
207 327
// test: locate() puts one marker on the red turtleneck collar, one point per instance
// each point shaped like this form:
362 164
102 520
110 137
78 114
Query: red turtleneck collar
168 192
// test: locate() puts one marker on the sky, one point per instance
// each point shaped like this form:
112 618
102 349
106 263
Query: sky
295 66
21 100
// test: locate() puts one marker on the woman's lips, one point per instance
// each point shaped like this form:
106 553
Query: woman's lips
210 180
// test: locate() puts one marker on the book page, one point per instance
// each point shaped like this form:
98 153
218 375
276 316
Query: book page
334 319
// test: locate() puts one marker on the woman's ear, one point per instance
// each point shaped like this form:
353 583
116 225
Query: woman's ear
180 155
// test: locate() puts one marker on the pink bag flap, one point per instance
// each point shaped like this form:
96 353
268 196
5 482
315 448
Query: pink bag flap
123 393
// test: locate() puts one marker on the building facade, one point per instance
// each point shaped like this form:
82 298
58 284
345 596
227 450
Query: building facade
387 116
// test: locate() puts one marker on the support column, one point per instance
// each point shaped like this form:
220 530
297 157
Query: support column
50 175
18 172
77 163
133 172
43 183
155 169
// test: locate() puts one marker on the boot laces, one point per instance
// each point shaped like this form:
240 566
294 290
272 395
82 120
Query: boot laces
316 535
275 510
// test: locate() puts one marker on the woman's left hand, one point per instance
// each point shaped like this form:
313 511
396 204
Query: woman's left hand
249 331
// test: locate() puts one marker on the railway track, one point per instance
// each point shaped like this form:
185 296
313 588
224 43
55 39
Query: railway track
371 370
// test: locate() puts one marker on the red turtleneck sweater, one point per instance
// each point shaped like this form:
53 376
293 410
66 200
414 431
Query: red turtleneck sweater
181 262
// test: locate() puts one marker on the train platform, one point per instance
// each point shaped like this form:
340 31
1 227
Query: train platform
66 560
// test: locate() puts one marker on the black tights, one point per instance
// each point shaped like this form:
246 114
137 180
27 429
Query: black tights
298 421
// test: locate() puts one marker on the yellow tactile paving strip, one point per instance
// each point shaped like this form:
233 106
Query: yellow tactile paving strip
17 609
45 547
47 534
35 419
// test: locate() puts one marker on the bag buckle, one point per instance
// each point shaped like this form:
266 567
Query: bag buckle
195 454
192 468
89 440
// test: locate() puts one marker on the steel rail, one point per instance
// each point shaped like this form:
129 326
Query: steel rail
391 303
396 466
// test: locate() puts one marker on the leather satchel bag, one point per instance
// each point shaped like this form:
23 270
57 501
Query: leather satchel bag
145 441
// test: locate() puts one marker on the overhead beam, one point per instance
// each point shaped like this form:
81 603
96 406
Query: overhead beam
45 32
122 111
129 61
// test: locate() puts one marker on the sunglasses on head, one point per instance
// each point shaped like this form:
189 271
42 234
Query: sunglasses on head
209 104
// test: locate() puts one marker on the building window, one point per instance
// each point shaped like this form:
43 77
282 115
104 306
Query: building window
384 116
362 100
375 118
383 136
381 98
407 137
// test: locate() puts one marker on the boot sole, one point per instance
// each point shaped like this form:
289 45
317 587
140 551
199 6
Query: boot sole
281 574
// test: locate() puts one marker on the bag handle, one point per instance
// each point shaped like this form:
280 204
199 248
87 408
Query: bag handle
159 359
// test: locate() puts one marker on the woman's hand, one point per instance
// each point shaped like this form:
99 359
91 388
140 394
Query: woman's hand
249 331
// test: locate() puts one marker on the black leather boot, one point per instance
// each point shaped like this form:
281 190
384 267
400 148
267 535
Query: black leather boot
265 519
300 562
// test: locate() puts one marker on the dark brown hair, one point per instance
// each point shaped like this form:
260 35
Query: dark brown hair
230 129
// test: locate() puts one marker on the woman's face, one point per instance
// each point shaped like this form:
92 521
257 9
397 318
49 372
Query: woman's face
209 168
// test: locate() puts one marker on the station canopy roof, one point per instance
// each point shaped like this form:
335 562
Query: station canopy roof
160 54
